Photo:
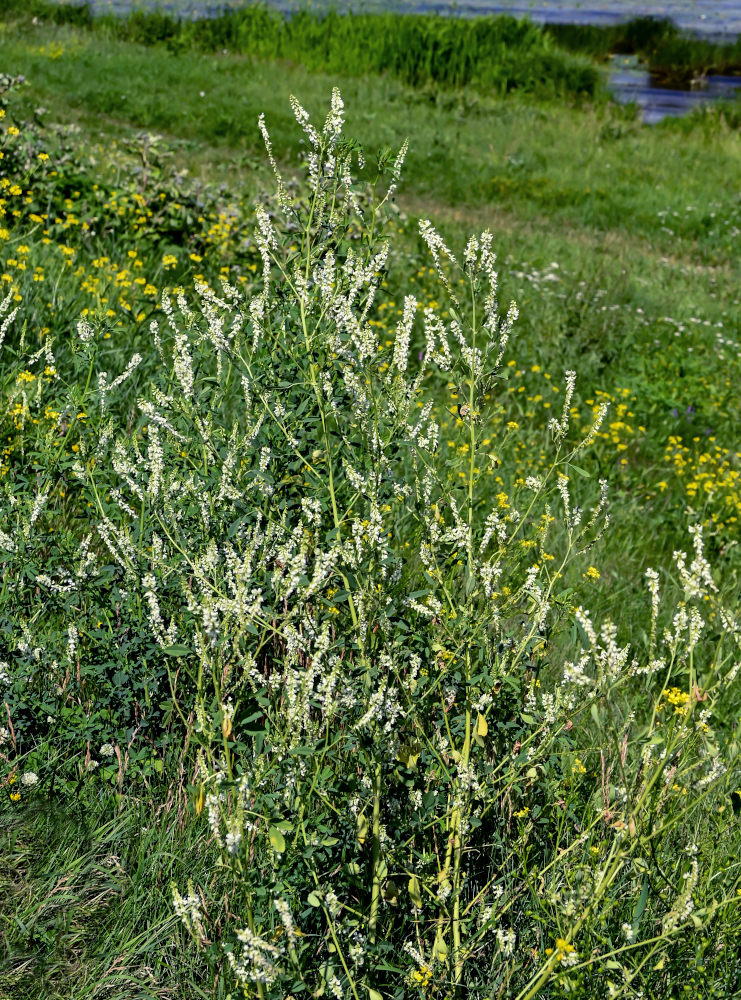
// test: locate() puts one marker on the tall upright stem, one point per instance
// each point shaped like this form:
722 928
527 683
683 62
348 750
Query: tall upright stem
459 819
376 860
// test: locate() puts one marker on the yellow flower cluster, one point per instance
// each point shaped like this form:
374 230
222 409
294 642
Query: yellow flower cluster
421 977
711 477
675 696
563 949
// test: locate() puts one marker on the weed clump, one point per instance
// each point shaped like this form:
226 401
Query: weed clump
419 762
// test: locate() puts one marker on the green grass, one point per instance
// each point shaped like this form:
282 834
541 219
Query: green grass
491 54
481 52
643 227
85 902
594 169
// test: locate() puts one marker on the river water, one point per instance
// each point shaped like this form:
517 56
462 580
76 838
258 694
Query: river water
632 84
716 19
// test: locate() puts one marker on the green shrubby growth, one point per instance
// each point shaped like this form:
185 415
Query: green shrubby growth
258 547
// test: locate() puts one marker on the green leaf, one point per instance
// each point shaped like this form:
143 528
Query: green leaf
362 828
390 892
374 994
440 949
409 755
177 651
313 899
580 472
640 906
415 893
277 840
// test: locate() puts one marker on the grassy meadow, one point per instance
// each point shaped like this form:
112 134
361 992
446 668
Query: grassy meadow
331 665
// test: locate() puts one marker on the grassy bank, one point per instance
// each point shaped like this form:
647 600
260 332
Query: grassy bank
483 53
611 863
497 54
589 169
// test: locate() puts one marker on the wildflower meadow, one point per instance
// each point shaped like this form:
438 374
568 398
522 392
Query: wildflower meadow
369 606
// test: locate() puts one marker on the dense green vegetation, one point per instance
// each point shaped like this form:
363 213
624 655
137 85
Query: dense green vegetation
148 690
484 53
491 54
673 57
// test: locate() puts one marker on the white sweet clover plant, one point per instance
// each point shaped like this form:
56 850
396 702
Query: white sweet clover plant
419 758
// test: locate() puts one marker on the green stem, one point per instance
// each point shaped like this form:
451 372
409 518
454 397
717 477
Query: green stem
330 922
376 884
458 958
472 434
251 925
